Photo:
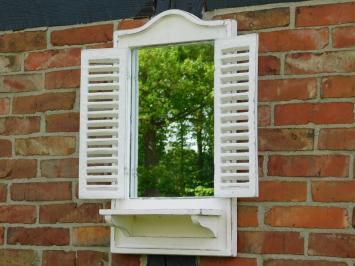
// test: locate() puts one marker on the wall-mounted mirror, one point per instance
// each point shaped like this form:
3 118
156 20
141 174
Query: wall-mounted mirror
176 123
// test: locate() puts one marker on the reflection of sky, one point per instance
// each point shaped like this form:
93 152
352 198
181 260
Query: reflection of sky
173 137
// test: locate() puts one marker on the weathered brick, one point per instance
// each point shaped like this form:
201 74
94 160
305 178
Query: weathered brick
4 106
270 242
216 261
10 63
125 259
2 233
127 24
21 82
66 122
92 258
6 148
317 113
23 41
247 216
284 139
309 165
333 191
70 213
338 87
325 14
334 245
41 191
83 35
327 62
285 262
58 258
67 168
344 37
17 257
261 165
25 214
260 19
270 191
45 146
3 192
288 40
91 236
41 236
44 102
287 89
264 115
20 168
307 217
53 58
269 65
62 79
353 218
19 125
337 139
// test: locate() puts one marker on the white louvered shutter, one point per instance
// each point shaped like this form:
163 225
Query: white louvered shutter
235 156
102 116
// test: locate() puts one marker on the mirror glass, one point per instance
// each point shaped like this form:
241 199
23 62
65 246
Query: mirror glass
175 127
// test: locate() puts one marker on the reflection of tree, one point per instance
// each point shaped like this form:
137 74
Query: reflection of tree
176 120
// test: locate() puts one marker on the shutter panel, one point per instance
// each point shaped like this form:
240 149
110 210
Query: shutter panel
102 116
235 156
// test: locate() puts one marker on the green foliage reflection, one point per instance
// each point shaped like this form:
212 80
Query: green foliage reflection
175 154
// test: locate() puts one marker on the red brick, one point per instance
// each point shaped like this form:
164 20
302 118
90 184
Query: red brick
247 216
61 168
25 214
333 191
6 148
2 232
337 139
284 139
53 58
353 217
270 191
127 24
20 168
317 113
338 87
42 236
284 262
325 14
70 213
309 165
3 192
288 40
19 125
23 41
264 116
45 146
17 257
4 106
261 165
10 63
216 261
307 217
327 62
62 79
58 258
43 102
21 82
334 245
259 19
91 236
66 122
41 191
287 89
269 65
344 37
91 258
125 259
270 242
83 35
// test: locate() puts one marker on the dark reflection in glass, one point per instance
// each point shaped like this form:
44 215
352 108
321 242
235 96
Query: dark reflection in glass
175 142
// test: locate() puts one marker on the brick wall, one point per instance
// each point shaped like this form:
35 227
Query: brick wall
305 213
